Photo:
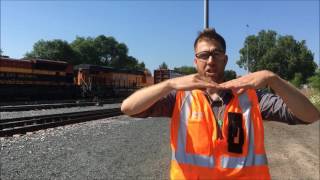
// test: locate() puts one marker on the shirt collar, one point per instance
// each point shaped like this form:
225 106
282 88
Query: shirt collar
225 95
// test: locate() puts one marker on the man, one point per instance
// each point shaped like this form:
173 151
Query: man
216 126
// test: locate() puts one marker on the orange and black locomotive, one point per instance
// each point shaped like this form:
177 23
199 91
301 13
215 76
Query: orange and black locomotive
33 79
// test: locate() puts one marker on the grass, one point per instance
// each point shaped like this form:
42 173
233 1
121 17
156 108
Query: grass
314 97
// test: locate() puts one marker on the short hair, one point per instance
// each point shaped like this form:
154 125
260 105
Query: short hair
210 34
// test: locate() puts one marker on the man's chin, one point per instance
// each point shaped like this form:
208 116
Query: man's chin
210 79
213 78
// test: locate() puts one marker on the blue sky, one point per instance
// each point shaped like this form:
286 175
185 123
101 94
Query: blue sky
156 31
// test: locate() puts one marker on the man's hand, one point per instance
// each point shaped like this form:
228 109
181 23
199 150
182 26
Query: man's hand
254 80
190 82
144 98
297 103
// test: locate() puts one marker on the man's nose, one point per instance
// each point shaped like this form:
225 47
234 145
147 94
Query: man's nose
211 59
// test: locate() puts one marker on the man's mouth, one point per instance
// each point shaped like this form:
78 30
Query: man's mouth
210 73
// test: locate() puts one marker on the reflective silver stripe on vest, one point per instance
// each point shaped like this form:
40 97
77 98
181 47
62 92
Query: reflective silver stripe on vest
251 159
180 155
240 162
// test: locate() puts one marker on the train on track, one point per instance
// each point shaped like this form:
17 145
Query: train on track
35 79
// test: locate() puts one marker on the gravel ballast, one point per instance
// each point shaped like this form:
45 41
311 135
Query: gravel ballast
132 148
114 148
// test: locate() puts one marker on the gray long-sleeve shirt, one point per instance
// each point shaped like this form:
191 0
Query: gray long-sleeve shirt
272 107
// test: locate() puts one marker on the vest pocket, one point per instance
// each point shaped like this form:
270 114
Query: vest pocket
235 133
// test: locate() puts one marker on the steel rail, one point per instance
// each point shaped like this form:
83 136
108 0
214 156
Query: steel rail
9 127
27 107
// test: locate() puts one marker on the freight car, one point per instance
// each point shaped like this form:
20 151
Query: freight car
35 79
101 81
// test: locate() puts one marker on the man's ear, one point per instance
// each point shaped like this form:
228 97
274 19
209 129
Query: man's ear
195 61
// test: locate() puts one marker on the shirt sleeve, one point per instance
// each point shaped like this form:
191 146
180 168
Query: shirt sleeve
162 108
273 108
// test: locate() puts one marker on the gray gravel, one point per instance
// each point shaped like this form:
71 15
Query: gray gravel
113 148
293 151
129 148
9 115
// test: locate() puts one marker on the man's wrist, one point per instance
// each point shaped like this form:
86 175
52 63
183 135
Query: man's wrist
272 79
168 85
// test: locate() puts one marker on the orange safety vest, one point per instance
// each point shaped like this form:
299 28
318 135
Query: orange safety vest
198 152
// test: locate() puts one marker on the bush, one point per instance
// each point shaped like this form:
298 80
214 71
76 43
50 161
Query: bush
314 81
297 80
314 97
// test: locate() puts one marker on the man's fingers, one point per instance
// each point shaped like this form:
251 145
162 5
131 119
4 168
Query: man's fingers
210 85
233 84
228 85
215 85
237 87
240 91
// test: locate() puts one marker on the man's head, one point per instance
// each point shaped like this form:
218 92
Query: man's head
210 58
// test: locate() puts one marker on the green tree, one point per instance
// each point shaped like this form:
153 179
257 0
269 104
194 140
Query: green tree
101 50
314 81
282 55
53 50
121 58
86 51
163 66
105 51
297 80
229 75
185 70
141 66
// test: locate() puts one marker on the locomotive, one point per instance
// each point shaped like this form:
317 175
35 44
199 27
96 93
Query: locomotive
36 79
101 81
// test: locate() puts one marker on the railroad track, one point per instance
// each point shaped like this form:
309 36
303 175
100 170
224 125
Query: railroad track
27 107
9 127
26 102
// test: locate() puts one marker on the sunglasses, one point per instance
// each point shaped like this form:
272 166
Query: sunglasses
204 55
